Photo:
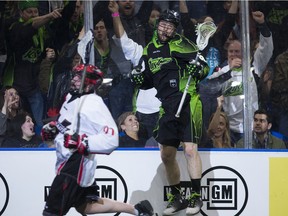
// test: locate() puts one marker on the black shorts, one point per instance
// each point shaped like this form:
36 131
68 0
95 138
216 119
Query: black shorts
171 130
66 193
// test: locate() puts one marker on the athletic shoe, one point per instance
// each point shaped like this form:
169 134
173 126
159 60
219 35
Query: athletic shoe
176 204
144 208
195 204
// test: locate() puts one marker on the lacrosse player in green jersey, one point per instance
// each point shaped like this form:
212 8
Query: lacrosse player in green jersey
169 59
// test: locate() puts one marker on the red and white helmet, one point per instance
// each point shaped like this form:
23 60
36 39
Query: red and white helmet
93 75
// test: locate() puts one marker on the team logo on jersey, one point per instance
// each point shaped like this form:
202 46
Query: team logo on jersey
173 83
32 55
4 195
156 64
233 88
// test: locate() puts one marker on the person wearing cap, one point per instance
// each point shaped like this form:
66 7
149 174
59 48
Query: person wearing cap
26 42
167 64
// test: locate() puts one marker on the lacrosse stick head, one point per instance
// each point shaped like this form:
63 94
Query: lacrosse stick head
204 31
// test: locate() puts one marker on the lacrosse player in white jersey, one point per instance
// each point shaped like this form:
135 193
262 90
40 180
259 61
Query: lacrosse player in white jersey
84 128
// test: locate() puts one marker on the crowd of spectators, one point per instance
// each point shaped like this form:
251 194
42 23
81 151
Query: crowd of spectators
38 49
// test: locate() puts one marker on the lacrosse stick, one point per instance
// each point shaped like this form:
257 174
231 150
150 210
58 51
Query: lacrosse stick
203 31
84 48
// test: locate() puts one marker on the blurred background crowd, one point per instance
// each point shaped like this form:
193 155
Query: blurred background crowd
38 49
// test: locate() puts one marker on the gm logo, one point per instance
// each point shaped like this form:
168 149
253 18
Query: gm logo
224 192
4 194
111 184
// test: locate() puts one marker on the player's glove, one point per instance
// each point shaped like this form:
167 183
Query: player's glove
75 141
49 131
196 68
137 76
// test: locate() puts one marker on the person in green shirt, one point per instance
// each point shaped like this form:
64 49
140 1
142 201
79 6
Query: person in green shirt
169 59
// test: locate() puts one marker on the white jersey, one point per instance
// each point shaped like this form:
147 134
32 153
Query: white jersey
93 119
146 101
233 105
